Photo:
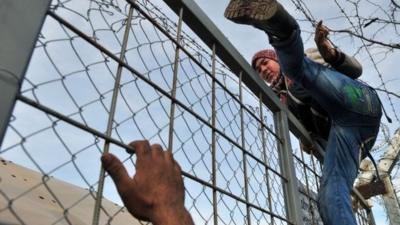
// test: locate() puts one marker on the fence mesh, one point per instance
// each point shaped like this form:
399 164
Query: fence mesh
57 127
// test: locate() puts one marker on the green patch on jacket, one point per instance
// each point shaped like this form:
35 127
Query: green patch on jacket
352 93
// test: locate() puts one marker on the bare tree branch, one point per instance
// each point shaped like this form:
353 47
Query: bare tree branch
389 45
388 92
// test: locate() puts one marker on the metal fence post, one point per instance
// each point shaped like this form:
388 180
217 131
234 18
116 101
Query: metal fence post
174 82
265 156
243 139
390 201
20 24
214 136
370 217
99 194
291 191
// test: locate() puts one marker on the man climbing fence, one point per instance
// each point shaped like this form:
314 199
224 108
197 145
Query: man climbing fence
353 107
299 101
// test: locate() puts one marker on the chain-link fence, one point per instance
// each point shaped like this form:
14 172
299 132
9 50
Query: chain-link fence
104 73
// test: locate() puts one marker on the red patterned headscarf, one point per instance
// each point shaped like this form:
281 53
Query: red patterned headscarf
266 53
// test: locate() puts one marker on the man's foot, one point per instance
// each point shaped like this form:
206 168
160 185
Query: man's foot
266 15
251 12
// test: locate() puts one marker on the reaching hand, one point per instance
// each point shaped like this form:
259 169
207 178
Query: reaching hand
156 191
325 47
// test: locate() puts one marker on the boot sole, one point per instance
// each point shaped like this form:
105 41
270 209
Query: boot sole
250 11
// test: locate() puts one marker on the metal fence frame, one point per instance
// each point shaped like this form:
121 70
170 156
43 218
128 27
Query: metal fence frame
18 44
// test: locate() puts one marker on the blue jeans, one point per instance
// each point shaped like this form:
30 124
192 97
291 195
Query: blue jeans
355 110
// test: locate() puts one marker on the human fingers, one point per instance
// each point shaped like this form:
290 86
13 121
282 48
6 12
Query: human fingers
321 32
323 29
142 148
116 169
318 25
169 156
177 167
156 150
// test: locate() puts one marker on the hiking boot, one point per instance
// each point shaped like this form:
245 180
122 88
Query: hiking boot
267 15
250 12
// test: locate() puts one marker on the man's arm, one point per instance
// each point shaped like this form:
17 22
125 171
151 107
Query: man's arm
347 65
340 61
156 192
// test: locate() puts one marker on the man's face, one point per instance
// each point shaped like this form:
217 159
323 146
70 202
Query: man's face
267 69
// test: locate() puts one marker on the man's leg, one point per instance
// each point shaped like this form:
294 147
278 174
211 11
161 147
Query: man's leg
341 158
355 111
339 171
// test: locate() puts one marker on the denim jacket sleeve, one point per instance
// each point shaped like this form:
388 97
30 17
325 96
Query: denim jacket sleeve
344 63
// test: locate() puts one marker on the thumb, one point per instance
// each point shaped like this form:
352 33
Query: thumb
116 169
